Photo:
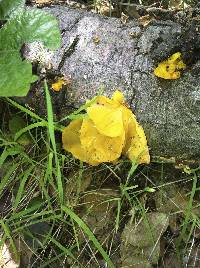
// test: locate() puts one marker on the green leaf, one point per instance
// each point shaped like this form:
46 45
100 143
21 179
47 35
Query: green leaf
10 8
149 190
21 191
16 74
29 26
17 149
17 124
51 129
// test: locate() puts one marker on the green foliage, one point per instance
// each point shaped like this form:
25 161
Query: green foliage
10 7
16 74
51 129
22 27
29 26
16 124
43 184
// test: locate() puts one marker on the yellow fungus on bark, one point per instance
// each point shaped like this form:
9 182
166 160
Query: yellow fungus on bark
100 148
118 97
71 139
107 120
57 86
109 131
170 68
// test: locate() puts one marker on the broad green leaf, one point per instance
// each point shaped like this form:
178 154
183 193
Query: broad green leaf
9 8
16 74
29 26
26 25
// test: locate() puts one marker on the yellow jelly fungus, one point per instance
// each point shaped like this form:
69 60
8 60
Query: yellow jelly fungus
57 86
170 68
107 120
71 139
109 131
100 148
118 96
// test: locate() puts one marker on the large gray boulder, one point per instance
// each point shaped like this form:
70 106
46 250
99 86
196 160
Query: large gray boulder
98 51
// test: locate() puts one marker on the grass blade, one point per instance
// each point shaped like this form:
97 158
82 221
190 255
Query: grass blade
90 235
20 191
8 235
53 141
28 128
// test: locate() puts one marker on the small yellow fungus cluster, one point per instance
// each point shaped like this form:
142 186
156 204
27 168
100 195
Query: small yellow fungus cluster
170 68
109 130
57 86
